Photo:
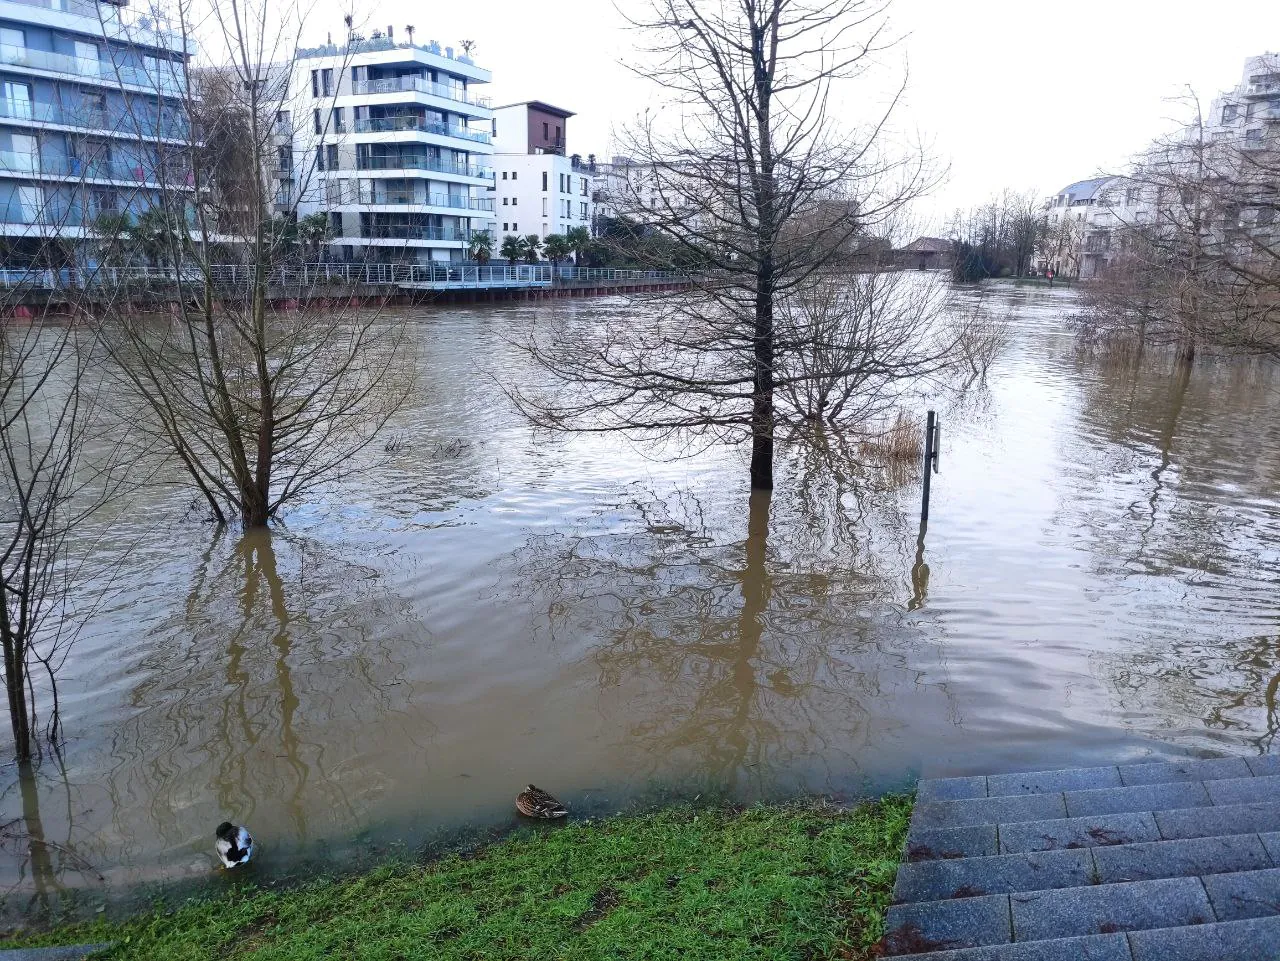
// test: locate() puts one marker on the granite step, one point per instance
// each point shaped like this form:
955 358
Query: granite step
1077 779
1176 861
1253 940
943 879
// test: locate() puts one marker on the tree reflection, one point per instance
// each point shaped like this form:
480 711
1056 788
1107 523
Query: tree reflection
281 656
739 660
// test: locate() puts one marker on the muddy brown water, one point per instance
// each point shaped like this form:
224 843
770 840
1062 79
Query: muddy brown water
494 606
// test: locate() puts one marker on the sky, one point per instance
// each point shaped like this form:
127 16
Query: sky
1005 93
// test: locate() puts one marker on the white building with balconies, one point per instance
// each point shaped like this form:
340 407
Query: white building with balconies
537 188
92 120
394 147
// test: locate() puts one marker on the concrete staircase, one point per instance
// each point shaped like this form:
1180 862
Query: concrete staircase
1149 862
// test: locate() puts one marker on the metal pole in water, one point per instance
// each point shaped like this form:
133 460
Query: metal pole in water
929 462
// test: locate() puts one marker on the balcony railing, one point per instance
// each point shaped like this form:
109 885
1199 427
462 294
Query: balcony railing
36 166
412 232
91 118
419 85
111 15
408 198
422 163
419 124
84 67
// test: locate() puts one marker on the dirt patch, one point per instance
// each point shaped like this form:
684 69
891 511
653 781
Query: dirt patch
602 902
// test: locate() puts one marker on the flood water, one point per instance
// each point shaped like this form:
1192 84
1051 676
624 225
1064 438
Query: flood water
493 606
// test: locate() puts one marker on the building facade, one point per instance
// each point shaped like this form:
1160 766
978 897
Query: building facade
538 189
92 121
394 145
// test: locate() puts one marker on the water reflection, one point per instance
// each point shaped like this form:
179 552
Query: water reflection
460 617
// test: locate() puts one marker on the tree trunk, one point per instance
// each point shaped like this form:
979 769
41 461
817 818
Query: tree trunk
762 398
15 680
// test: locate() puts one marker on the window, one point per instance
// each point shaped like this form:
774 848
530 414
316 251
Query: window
284 158
584 210
514 225
514 201
544 180
584 186
1229 113
282 121
1131 196
315 121
10 37
18 99
31 198
514 174
315 83
504 175
504 201
333 156
545 134
557 133
1254 135
320 156
544 205
504 225
326 81
87 54
339 121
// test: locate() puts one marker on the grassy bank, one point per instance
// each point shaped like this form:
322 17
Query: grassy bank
791 881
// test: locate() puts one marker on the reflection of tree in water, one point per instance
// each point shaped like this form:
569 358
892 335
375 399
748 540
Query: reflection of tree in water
1182 510
281 657
737 659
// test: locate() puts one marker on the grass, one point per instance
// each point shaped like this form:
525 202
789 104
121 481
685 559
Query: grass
804 881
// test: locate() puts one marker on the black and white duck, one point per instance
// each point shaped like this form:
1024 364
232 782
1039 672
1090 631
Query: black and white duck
233 843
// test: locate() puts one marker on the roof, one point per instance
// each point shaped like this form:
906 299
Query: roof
541 106
1084 189
929 245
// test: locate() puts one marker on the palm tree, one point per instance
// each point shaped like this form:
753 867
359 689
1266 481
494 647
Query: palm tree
481 248
409 30
579 243
556 248
313 232
530 247
512 248
157 232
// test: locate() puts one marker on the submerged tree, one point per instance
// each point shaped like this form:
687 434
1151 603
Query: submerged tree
260 388
746 152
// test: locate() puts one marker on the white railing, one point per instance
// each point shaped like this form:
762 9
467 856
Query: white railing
419 85
308 276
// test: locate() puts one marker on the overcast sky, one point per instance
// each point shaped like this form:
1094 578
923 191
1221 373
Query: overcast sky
1008 92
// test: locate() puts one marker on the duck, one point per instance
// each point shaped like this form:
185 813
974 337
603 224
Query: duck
233 843
533 802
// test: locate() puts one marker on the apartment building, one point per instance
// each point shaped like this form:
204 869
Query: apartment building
394 144
92 120
538 189
647 194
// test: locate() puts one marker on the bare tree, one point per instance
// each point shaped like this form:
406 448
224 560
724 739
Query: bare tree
746 171
261 388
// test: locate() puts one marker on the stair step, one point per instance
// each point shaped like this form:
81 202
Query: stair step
1078 779
1189 858
1254 940
1257 939
1260 818
1101 831
940 880
947 843
987 810
1246 894
1110 908
1099 947
1003 874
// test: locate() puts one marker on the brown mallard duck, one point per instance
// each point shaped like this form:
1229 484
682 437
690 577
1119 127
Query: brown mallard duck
533 802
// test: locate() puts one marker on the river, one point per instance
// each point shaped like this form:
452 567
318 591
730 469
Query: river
490 606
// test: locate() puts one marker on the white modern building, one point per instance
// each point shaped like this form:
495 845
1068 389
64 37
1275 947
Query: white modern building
394 145
646 194
92 120
537 188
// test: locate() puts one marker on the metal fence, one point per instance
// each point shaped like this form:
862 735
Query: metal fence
308 276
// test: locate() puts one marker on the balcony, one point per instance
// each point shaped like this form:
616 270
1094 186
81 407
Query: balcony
1263 87
406 198
32 165
419 85
419 125
91 118
110 15
422 163
81 69
413 232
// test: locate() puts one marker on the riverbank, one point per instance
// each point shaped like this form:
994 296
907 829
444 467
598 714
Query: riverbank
807 880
